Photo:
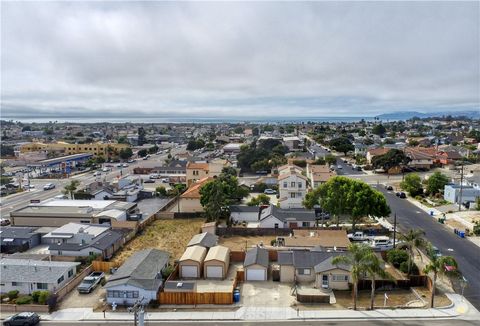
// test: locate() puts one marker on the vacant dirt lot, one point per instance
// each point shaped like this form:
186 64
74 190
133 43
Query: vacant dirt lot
168 235
395 298
240 243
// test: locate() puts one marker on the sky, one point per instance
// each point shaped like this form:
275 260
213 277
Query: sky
252 59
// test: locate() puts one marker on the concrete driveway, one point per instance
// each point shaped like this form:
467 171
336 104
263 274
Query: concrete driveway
266 294
77 300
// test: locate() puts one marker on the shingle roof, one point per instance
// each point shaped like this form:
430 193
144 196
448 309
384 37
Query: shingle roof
17 232
256 256
288 214
285 258
244 209
33 271
204 239
219 253
327 265
195 253
305 258
104 241
141 270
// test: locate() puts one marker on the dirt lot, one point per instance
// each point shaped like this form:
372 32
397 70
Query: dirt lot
240 243
169 235
441 299
395 298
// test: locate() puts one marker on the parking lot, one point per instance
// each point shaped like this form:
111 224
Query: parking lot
266 294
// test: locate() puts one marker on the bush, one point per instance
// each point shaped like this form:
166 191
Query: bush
12 294
24 300
36 295
396 257
404 268
476 228
167 271
43 297
272 242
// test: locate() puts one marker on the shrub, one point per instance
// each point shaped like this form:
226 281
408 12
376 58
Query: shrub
24 300
12 294
404 268
35 295
476 228
396 257
43 297
167 271
272 242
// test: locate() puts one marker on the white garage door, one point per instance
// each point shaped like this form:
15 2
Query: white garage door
189 271
255 274
214 271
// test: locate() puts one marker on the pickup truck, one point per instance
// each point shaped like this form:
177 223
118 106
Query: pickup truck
90 282
358 236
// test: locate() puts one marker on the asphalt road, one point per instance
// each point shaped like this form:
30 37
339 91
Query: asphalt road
465 252
438 322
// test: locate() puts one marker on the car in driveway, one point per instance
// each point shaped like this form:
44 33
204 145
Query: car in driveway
23 319
269 191
4 222
49 186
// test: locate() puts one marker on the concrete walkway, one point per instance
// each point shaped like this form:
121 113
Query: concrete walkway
460 308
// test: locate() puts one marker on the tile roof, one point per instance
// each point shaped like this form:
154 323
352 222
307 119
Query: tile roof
194 190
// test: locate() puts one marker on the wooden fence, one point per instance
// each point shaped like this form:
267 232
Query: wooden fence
73 283
104 266
24 308
195 298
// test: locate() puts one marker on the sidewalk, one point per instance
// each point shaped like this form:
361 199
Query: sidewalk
459 309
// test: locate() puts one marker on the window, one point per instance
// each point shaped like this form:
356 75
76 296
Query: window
292 195
299 185
60 280
70 273
276 225
15 283
303 271
305 224
292 184
285 184
339 278
299 195
42 286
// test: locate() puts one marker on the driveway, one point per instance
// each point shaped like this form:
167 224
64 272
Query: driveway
266 294
77 300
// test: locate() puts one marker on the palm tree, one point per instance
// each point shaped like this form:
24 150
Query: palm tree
71 187
439 265
374 268
358 258
413 241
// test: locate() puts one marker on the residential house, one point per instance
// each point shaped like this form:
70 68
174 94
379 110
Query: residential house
336 240
241 213
17 238
27 276
292 142
82 240
448 157
274 217
319 174
256 264
420 158
455 193
189 201
292 187
140 277
199 170
371 153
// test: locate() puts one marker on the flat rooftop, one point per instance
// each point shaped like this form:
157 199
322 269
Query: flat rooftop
95 204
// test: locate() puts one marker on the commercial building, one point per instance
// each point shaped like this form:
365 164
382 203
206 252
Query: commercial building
61 148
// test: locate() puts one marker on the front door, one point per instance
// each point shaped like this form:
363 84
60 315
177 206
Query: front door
325 281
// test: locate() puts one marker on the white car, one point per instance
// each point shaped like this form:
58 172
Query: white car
105 169
97 173
339 167
125 165
119 165
48 186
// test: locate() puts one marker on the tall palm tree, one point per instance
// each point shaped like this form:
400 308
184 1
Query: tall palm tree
413 240
357 259
71 188
374 268
439 265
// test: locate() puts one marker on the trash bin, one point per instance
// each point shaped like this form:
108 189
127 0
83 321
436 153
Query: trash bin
431 213
441 220
236 296
462 234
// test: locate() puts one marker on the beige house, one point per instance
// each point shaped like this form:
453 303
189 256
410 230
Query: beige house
191 262
217 262
329 276
376 152
318 174
200 170
189 201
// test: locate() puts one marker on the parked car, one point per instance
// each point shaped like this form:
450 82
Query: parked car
4 221
148 181
145 158
401 194
105 169
119 165
61 197
389 188
269 191
90 282
125 165
97 174
27 187
131 161
49 186
23 318
339 167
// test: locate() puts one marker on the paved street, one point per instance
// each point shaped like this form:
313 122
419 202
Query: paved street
438 322
465 252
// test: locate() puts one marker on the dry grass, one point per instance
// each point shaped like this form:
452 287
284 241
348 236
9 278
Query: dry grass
395 298
168 235
441 300
240 242
455 224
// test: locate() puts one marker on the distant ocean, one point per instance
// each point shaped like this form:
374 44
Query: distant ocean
199 120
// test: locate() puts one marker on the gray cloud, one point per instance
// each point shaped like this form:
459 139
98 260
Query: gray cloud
321 58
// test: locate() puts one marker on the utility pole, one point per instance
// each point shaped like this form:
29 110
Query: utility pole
461 190
395 231
138 311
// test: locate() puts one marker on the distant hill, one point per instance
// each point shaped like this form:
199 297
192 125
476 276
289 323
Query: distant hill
410 114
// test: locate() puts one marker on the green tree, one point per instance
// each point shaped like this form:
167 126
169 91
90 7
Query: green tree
342 144
141 136
379 130
436 183
238 130
6 151
343 196
143 152
330 159
412 184
413 240
125 153
195 144
122 140
374 268
100 160
261 199
70 188
391 159
161 191
320 161
357 259
439 265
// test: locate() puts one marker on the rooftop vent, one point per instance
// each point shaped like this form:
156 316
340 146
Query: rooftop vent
179 284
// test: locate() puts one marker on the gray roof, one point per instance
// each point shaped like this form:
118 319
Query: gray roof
103 242
283 215
33 271
244 209
256 256
304 258
285 258
185 285
141 270
204 239
17 232
327 265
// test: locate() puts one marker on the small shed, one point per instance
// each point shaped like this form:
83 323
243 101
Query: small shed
204 239
256 264
217 262
190 264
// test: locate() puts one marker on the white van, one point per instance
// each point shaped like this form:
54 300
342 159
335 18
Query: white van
154 176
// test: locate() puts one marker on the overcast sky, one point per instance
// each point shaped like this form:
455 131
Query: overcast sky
239 59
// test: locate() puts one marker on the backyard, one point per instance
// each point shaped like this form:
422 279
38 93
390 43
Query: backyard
168 235
242 242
